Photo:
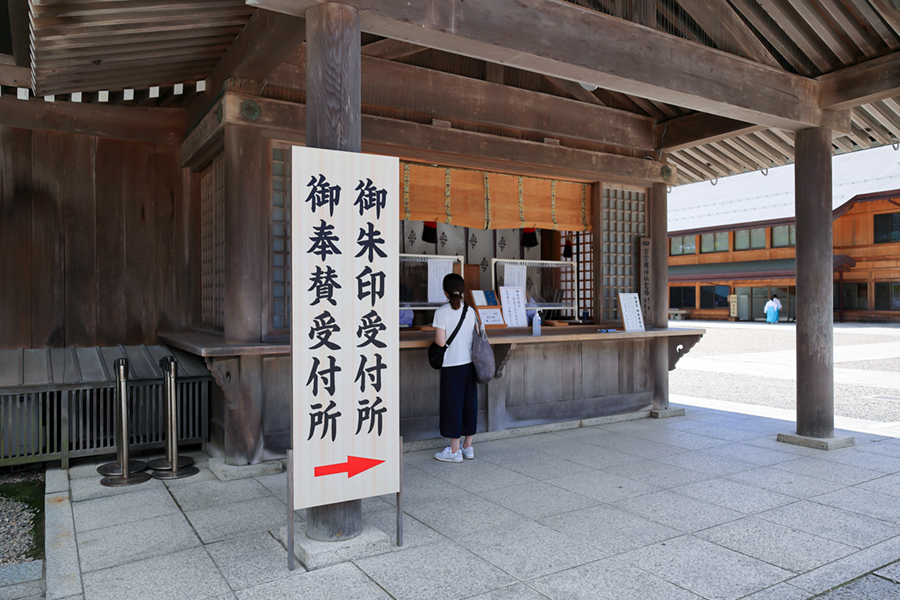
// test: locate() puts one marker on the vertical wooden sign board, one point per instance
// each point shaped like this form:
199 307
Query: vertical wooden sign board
646 295
345 346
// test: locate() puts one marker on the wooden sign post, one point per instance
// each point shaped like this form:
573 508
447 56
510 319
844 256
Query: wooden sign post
345 352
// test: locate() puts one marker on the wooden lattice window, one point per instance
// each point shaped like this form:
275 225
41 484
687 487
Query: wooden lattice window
280 240
624 223
583 252
212 252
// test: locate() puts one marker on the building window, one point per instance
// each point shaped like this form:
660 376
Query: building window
887 228
783 236
280 248
887 295
713 296
856 296
682 297
682 244
714 242
750 239
583 252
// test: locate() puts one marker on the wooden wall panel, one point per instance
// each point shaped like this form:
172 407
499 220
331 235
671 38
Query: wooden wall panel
48 240
110 261
140 243
15 237
95 241
80 241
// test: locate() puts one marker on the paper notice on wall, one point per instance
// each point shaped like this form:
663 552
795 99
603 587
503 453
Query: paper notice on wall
512 300
514 275
437 270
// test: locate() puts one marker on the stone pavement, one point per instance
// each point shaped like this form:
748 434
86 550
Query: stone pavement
707 505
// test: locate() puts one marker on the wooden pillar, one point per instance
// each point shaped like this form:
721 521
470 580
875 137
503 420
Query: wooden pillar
597 227
333 121
657 216
815 284
841 293
246 263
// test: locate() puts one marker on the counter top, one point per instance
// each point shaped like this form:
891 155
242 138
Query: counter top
211 345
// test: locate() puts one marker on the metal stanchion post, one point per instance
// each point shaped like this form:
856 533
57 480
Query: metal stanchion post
172 466
130 475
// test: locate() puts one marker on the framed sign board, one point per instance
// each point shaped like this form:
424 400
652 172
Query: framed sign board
345 349
630 308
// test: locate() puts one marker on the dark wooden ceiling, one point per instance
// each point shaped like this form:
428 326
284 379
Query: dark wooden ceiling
139 45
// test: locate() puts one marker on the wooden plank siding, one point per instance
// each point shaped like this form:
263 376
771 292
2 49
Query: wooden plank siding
94 246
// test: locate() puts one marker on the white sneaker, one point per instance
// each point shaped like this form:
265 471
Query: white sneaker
448 456
468 453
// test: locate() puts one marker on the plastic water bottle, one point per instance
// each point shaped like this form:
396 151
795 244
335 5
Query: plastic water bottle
536 323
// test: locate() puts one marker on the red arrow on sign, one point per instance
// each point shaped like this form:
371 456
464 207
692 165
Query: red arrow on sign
354 466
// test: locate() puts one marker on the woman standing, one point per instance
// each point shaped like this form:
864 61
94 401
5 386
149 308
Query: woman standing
771 311
459 396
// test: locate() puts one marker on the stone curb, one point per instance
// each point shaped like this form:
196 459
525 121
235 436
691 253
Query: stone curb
63 572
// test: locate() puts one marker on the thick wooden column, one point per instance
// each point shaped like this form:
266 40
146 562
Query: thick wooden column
657 216
333 121
246 257
246 263
815 277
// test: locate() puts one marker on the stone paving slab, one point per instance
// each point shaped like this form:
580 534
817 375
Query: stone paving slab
530 550
679 512
436 572
832 523
239 519
186 575
88 488
117 510
340 581
207 494
603 486
609 579
736 496
519 591
870 587
701 567
891 572
23 591
62 573
848 568
537 499
250 560
21 572
790 549
610 529
129 542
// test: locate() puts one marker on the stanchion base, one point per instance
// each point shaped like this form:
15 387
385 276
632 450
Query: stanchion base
113 468
119 481
161 464
179 474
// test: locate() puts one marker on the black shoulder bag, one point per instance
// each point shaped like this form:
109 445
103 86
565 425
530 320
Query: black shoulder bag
435 352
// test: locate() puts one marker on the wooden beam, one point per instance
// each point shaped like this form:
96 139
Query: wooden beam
156 125
861 84
15 76
18 30
388 49
576 90
474 104
727 30
697 129
266 41
619 55
425 143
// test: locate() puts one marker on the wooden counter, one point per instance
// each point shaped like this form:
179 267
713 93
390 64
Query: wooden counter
212 345
566 373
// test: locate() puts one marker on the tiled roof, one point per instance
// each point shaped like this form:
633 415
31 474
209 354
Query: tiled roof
754 197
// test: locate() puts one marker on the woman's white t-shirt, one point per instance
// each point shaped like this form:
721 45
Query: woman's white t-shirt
460 351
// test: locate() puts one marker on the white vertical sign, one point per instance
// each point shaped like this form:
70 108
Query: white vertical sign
630 307
345 348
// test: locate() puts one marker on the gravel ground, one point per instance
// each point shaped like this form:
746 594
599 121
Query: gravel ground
769 339
849 400
16 520
888 365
